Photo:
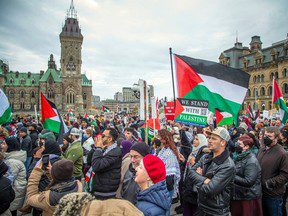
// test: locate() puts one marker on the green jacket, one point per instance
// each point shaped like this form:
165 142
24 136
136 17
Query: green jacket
75 154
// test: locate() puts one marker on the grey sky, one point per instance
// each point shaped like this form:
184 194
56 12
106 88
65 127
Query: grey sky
125 40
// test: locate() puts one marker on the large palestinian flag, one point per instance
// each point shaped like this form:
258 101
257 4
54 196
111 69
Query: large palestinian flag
5 108
278 100
224 87
50 115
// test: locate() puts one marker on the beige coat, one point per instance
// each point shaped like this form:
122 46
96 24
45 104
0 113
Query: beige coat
124 167
41 199
115 207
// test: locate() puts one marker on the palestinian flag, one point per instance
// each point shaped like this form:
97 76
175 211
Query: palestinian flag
85 116
224 87
223 118
278 100
50 115
249 112
5 108
105 109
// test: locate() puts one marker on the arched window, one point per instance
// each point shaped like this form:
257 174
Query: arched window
22 105
276 75
262 91
11 80
270 105
84 96
33 81
32 94
262 78
285 72
22 81
70 98
22 94
248 93
11 94
270 90
50 93
255 92
271 76
285 88
258 79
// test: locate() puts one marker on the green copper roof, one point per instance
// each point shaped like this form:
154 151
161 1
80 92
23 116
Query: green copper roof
54 73
21 79
86 81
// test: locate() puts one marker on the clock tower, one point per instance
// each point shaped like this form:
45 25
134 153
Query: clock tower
71 41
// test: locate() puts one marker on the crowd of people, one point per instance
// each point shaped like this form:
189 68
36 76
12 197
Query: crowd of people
105 167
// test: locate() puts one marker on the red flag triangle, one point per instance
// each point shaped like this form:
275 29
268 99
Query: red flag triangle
219 116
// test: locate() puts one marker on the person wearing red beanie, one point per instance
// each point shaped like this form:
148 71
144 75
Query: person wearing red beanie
153 199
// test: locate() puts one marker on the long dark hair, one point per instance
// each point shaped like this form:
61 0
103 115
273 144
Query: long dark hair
167 136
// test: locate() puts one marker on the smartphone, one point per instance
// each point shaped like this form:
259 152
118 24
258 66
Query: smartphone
45 161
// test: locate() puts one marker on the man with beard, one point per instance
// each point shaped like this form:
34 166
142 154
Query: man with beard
273 160
106 164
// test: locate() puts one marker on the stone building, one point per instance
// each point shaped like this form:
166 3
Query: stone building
263 64
66 87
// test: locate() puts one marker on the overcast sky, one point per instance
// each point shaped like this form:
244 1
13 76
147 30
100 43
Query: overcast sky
125 40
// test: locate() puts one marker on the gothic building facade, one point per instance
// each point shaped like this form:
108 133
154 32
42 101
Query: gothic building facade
263 64
67 87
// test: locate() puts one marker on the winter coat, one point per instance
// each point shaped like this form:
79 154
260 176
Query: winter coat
130 188
26 145
126 161
274 170
34 136
48 200
154 201
214 197
247 182
107 169
15 160
115 207
75 154
7 194
45 180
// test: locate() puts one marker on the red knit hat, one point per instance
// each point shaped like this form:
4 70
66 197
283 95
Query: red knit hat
155 168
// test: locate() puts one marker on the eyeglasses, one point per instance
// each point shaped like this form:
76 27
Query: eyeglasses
135 156
103 136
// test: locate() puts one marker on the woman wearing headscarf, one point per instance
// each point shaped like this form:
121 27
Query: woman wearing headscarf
189 193
14 157
154 198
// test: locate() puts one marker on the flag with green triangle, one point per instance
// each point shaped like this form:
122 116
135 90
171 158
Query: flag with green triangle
5 108
223 87
223 118
51 118
278 100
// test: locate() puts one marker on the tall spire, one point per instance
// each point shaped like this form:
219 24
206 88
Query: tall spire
72 13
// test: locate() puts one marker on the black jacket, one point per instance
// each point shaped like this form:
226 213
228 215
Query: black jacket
214 197
247 182
189 194
34 136
7 194
26 145
107 169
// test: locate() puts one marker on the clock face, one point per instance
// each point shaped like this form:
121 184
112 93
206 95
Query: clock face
70 65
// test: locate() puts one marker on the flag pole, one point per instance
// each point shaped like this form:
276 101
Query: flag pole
171 63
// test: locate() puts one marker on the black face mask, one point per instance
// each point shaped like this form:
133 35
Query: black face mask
267 141
238 149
